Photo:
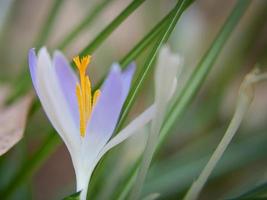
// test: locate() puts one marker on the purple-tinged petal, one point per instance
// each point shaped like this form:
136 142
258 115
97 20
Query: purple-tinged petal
106 113
54 102
32 59
67 80
127 76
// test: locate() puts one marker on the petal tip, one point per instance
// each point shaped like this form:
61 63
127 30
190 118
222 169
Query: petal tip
116 67
131 68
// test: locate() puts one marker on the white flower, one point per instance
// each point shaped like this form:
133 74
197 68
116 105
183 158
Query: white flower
84 121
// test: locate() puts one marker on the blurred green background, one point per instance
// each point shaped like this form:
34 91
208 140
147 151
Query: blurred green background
196 133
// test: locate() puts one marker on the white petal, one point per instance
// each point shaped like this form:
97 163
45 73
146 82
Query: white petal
54 103
88 160
167 69
129 130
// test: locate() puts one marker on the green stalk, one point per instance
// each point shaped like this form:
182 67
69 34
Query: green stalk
48 24
84 23
32 164
155 130
246 95
111 27
180 7
134 53
200 73
21 86
258 191
142 44
178 171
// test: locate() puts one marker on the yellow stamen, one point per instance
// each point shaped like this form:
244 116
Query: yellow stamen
81 108
88 98
84 93
96 97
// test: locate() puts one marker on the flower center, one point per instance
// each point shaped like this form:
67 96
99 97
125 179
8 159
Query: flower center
84 93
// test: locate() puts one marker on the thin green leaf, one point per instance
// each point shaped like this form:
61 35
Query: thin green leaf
142 44
201 71
246 95
180 7
111 27
153 139
84 23
178 171
32 164
48 24
75 196
22 82
257 191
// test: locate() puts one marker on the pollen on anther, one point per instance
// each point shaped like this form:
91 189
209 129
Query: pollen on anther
84 94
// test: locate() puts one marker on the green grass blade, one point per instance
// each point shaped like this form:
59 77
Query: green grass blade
152 140
200 72
142 44
111 27
22 82
84 23
180 7
48 24
203 68
32 164
178 171
255 192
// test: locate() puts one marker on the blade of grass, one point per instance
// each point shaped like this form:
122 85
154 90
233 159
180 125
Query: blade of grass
131 55
48 24
201 71
111 27
142 44
84 23
32 164
22 82
199 74
180 7
246 95
178 171
255 192
153 137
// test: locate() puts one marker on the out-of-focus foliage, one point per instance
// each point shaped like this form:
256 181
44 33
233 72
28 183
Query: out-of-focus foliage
38 167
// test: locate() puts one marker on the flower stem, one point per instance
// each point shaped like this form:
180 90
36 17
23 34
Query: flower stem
246 95
197 78
155 130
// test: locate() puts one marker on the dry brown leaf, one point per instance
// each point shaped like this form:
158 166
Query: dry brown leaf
13 122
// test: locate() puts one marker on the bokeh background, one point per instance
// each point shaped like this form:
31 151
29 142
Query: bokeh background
195 135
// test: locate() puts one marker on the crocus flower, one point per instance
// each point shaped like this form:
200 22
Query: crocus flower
85 121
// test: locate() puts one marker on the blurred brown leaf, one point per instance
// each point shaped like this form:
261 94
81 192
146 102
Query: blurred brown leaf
4 92
12 120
